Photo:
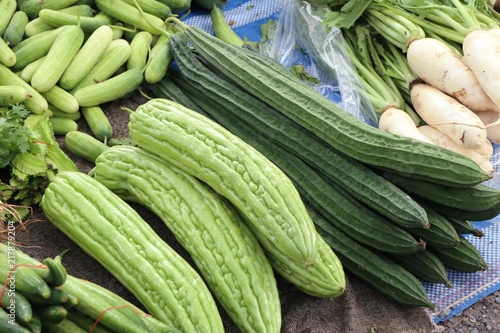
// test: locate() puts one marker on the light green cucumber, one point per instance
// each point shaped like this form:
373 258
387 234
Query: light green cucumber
129 14
109 90
56 19
7 55
15 30
65 46
35 102
140 46
7 8
109 62
61 99
88 55
98 122
159 60
12 94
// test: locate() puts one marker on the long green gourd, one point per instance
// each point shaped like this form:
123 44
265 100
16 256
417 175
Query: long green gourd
337 127
340 207
114 234
475 198
364 184
384 275
223 248
234 169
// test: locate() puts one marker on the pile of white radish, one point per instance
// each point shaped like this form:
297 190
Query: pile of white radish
456 96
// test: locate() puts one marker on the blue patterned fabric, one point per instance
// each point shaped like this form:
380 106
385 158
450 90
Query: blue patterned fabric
246 18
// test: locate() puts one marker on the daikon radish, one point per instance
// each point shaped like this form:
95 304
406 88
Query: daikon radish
486 150
482 55
448 115
442 140
437 64
399 122
488 118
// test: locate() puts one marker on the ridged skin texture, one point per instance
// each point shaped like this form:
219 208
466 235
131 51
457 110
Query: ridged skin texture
235 170
370 188
337 127
224 249
114 234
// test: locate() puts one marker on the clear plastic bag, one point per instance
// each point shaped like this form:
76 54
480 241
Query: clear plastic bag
299 37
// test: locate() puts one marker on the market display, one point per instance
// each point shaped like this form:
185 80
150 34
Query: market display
256 173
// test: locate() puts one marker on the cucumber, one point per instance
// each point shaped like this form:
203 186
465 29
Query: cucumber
65 47
33 48
33 7
14 32
57 18
129 14
98 122
140 46
62 125
7 55
84 145
50 314
109 90
221 28
107 65
8 9
159 60
94 300
88 55
12 94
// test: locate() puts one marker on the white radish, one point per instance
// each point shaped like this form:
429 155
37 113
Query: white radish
448 115
482 55
487 150
438 65
444 141
397 121
489 118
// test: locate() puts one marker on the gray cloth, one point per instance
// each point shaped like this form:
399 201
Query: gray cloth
359 309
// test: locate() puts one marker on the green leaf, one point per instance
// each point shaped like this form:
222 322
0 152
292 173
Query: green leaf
29 164
347 15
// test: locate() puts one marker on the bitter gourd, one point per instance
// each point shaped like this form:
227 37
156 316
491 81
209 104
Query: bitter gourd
234 169
224 249
114 234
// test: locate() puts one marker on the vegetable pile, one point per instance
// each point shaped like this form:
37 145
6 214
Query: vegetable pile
255 173
48 298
